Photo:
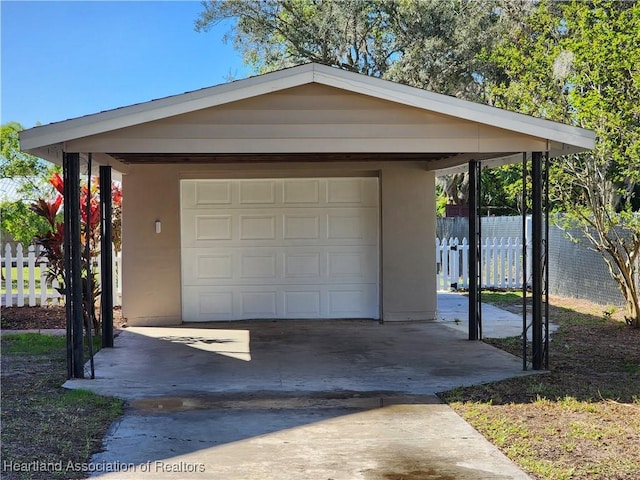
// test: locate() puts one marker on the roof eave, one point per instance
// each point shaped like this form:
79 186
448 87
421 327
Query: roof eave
574 138
164 107
448 105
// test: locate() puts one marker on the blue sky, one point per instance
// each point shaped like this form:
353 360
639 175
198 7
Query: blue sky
62 60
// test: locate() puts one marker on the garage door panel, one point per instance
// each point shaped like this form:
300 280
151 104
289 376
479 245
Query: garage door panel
212 227
268 193
295 226
209 267
347 264
344 227
301 191
258 304
282 265
280 248
206 194
350 191
298 226
302 265
302 304
345 190
295 301
208 304
347 302
253 192
257 265
256 227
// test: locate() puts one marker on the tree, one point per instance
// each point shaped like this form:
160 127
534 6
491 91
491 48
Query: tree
431 44
27 175
29 172
578 62
22 225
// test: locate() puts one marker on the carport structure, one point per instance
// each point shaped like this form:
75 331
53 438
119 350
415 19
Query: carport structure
303 193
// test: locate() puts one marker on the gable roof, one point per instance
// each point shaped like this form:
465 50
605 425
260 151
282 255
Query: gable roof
563 139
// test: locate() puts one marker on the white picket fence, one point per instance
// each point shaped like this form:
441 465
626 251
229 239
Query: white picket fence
24 278
501 263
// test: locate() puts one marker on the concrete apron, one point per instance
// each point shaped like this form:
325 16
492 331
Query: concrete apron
296 400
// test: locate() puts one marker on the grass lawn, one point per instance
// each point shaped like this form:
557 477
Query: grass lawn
580 420
25 280
41 421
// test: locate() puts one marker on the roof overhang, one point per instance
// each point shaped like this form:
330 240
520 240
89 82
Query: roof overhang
49 141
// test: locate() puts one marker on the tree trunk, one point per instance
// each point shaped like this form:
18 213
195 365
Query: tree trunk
633 318
625 274
630 293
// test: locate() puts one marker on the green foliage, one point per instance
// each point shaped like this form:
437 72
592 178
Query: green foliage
20 222
527 56
29 173
578 62
273 34
441 202
432 44
501 190
605 45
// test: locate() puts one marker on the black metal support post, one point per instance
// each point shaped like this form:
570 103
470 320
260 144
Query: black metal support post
545 292
537 181
475 305
525 273
106 256
478 190
73 262
67 269
89 300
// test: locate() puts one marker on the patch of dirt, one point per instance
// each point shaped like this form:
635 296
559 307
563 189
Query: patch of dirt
45 423
50 316
580 420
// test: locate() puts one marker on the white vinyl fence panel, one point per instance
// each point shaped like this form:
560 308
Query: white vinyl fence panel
500 263
24 278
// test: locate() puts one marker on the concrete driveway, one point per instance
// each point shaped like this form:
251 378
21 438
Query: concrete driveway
296 400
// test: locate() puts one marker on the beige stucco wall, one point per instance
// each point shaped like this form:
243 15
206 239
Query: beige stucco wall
151 262
408 243
309 118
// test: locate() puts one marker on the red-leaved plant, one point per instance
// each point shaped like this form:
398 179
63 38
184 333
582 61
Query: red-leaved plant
53 240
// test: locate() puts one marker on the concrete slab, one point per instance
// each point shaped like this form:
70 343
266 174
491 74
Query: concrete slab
401 441
296 400
294 356
453 311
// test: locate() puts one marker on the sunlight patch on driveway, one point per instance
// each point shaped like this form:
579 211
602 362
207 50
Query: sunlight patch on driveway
231 343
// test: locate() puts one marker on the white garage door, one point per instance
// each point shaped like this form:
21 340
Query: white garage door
280 248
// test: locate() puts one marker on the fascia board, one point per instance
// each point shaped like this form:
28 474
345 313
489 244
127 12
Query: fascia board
30 140
164 107
455 107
